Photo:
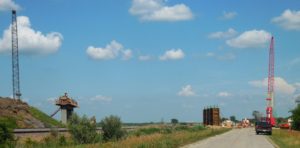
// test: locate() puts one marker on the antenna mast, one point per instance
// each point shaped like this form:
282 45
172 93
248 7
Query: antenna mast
15 57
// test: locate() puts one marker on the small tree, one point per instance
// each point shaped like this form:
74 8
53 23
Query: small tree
257 115
232 118
112 128
296 118
174 121
82 130
223 119
6 136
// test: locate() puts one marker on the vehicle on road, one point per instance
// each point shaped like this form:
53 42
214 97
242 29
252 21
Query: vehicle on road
263 127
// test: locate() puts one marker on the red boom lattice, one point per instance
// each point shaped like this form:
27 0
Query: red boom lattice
270 98
271 70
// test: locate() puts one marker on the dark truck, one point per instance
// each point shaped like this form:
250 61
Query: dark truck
263 127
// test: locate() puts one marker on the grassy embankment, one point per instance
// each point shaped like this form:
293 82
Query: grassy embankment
13 113
44 117
286 138
10 122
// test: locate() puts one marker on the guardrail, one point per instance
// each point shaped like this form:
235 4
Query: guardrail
48 130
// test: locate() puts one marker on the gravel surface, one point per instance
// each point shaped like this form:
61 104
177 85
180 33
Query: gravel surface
236 138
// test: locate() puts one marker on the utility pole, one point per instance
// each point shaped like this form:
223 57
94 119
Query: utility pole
15 57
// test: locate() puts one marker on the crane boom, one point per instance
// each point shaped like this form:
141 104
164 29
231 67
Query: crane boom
270 98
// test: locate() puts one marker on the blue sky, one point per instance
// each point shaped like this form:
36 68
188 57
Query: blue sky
148 60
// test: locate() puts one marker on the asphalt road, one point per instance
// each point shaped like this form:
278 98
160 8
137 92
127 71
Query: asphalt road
236 138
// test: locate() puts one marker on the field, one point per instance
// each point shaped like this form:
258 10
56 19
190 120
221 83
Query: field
175 139
286 138
150 137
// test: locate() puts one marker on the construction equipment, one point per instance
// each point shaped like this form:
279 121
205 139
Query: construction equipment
15 57
66 106
270 98
211 116
55 112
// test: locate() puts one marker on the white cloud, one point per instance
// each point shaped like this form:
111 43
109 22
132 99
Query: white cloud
101 98
224 94
144 57
227 56
222 57
223 35
295 61
127 54
210 54
31 41
172 54
281 85
51 100
186 91
250 39
156 10
228 15
8 5
297 84
289 20
110 51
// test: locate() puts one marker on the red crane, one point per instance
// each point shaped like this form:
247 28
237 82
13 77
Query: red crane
270 98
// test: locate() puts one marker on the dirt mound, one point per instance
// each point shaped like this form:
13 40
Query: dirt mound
19 114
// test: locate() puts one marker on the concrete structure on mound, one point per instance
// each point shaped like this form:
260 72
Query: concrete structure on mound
67 106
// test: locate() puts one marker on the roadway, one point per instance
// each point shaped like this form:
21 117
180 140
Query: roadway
236 138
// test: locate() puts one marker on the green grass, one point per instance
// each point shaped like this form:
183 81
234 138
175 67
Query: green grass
161 140
151 138
286 138
10 122
44 117
147 131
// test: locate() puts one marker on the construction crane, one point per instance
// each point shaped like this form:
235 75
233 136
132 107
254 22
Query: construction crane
15 57
270 98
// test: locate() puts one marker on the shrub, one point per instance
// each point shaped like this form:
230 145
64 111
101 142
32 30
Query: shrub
148 131
166 130
6 136
10 122
112 128
174 121
62 141
296 118
181 128
196 128
82 130
49 141
30 143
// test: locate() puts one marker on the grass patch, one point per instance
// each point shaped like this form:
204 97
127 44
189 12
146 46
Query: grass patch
147 131
161 140
10 122
286 138
44 117
152 137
